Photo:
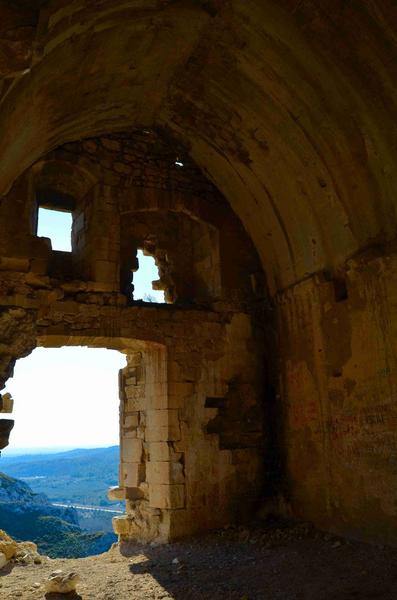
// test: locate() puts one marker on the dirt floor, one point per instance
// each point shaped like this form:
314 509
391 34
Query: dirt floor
279 562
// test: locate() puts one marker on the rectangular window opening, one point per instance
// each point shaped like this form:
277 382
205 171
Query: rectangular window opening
57 226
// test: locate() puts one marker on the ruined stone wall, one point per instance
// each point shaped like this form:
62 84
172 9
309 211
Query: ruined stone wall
181 475
290 107
186 369
192 435
197 404
134 189
186 252
338 354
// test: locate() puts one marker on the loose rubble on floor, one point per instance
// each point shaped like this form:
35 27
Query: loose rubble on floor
20 553
273 561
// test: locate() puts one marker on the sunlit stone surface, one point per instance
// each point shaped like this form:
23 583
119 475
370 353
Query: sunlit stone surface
249 148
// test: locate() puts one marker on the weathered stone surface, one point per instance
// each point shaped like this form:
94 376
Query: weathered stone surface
61 583
6 426
116 493
7 545
166 496
6 403
341 411
235 132
289 108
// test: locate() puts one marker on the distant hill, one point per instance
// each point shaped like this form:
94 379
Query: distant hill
78 462
80 476
36 450
13 491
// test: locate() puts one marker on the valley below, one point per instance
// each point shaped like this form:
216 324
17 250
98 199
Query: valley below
59 500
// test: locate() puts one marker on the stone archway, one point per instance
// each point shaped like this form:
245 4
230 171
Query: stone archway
178 473
150 472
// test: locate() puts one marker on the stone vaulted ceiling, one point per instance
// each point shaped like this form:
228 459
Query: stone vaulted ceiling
288 106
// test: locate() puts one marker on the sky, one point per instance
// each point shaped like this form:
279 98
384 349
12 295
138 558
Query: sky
68 397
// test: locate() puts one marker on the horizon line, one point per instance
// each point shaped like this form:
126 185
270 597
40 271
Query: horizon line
42 449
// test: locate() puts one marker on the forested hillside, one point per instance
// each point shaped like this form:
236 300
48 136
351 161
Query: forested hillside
28 516
80 476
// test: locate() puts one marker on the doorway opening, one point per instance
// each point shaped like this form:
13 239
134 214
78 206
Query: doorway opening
64 454
145 278
57 226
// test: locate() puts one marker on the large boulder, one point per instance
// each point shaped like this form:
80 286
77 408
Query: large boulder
7 545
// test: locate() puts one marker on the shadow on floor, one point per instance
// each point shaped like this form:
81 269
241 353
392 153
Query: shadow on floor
7 569
69 596
269 566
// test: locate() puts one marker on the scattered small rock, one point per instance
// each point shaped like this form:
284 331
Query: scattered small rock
60 583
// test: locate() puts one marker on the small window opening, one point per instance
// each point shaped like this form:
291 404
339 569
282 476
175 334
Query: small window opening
56 225
143 279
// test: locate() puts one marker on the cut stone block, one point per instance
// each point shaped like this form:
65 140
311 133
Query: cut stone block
163 451
131 421
131 433
181 388
136 404
132 474
116 493
6 403
162 425
131 450
164 472
135 392
167 496
105 271
156 395
121 525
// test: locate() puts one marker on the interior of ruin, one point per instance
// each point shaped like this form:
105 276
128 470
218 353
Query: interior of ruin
249 147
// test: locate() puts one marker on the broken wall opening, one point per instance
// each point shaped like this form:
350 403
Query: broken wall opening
186 252
176 476
66 414
189 479
146 281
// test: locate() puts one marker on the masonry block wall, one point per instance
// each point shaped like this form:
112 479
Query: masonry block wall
289 108
194 419
130 190
339 388
192 434
178 474
193 402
